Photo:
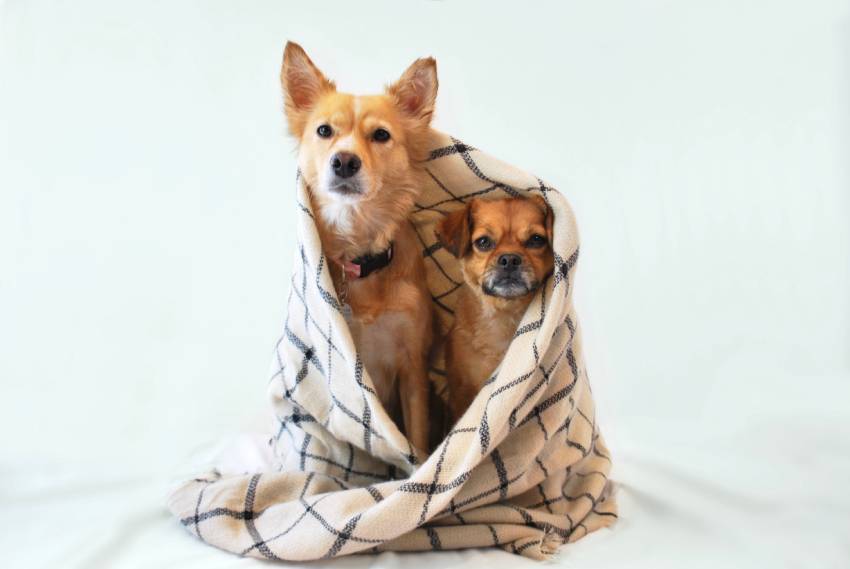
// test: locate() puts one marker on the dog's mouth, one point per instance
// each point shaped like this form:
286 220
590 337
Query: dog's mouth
513 285
346 188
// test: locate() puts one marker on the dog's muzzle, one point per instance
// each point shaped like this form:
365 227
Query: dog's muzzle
344 179
509 278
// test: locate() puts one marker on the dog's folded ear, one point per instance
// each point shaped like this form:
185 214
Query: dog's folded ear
302 83
416 91
455 231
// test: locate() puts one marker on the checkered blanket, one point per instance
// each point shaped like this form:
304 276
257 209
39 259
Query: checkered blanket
525 469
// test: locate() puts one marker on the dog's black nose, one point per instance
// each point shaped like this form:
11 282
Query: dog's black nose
345 164
509 261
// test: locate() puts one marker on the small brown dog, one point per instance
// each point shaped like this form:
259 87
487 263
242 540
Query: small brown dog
361 157
505 255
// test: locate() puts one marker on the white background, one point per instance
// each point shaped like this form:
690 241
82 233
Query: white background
147 227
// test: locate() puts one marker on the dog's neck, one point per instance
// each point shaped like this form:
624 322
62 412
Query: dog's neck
508 309
349 230
491 321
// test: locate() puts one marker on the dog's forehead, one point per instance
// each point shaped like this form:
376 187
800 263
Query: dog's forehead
525 213
490 216
507 216
345 107
334 102
375 104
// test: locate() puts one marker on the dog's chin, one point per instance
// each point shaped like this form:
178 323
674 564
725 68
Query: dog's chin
508 287
349 190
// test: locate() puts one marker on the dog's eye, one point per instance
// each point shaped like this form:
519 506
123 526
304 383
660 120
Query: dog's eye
325 131
381 135
535 241
484 243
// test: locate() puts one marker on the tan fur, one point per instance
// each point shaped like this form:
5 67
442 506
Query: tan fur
484 324
391 309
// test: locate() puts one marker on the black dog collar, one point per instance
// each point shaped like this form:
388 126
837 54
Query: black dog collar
365 265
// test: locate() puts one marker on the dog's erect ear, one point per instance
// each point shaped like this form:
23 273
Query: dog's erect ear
416 91
549 220
455 230
302 83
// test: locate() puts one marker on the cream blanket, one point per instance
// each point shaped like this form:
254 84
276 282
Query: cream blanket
525 469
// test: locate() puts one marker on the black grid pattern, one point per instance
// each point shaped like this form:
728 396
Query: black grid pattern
525 469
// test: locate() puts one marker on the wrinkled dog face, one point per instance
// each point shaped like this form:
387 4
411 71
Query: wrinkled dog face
504 245
353 148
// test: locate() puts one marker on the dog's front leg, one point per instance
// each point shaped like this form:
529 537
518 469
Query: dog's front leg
413 391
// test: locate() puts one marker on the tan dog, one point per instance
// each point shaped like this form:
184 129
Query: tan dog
361 158
505 255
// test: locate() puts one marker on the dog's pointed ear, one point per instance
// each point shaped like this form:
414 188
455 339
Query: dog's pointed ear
455 231
303 84
416 91
549 219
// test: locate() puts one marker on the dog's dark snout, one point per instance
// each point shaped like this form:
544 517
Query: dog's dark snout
345 164
509 261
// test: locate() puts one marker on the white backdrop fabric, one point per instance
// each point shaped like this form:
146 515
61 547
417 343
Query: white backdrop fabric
146 227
